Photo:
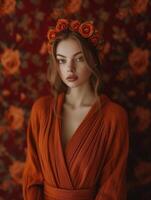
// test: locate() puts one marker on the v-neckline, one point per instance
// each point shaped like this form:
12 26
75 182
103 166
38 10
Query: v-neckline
61 98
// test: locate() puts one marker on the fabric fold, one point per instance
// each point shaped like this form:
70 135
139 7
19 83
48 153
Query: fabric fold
67 194
93 164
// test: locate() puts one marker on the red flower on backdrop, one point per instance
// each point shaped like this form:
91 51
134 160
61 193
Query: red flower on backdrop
95 37
73 6
51 34
62 24
75 24
139 6
86 29
139 60
7 7
15 117
10 60
16 171
105 49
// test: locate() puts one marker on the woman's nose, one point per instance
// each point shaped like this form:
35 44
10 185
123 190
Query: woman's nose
71 66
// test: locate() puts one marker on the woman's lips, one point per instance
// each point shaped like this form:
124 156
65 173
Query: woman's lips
72 78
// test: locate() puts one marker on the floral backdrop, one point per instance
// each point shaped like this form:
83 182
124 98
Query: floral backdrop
126 28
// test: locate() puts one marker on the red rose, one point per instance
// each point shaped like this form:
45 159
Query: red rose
95 38
86 29
51 34
62 24
75 24
104 49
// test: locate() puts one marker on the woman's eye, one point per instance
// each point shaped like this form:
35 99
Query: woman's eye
61 61
79 59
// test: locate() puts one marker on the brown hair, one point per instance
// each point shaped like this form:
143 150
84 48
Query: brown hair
92 58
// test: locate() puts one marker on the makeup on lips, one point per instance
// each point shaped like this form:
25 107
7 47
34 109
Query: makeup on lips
72 78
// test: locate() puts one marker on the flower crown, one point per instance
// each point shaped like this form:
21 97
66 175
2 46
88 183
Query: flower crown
85 29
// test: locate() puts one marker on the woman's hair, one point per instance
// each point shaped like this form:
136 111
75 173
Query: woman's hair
92 58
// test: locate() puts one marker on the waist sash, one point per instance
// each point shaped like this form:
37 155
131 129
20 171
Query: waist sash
52 193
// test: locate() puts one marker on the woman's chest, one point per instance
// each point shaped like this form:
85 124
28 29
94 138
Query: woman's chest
71 121
83 152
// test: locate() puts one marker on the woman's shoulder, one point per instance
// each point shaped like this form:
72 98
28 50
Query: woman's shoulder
42 104
43 100
114 110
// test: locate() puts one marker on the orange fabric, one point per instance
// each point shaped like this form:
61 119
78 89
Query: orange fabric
57 193
93 164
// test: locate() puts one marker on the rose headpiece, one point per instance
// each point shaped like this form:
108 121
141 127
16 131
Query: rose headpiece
85 29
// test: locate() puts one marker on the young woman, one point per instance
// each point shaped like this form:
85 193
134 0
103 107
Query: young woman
77 138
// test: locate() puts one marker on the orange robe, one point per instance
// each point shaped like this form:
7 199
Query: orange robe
93 164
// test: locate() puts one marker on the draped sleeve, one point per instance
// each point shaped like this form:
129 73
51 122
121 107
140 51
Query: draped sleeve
112 181
32 175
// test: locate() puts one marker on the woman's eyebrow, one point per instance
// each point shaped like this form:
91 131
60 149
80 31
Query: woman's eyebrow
79 52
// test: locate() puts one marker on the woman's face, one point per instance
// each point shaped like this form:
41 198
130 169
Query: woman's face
73 68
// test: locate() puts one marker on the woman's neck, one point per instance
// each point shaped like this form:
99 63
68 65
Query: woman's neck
77 97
